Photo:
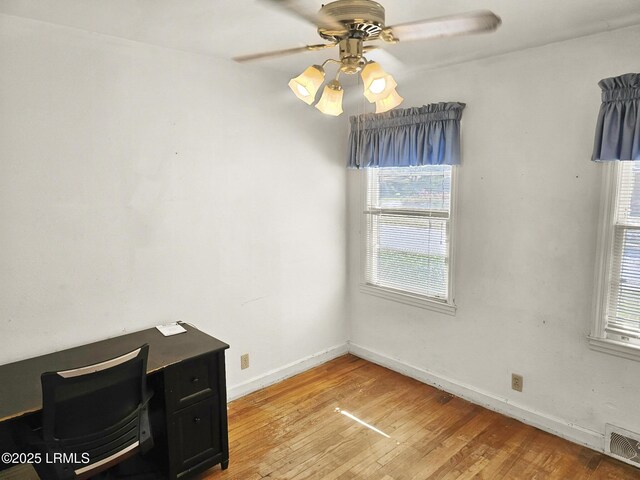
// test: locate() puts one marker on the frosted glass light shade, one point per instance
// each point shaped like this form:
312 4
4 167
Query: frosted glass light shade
331 101
306 85
391 101
377 83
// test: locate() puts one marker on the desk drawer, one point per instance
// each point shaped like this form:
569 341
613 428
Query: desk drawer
197 431
190 381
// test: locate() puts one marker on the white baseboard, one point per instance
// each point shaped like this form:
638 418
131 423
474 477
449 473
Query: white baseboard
505 406
279 374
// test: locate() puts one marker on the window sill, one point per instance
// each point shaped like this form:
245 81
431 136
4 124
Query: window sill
613 347
408 299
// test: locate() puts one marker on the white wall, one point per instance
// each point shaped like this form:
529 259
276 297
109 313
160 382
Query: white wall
141 185
527 228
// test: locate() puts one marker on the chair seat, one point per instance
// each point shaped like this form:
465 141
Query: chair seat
19 472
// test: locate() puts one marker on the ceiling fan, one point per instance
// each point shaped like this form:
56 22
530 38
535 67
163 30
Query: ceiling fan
353 26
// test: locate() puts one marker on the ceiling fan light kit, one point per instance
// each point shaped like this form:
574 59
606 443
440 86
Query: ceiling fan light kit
377 83
306 85
348 24
388 103
331 101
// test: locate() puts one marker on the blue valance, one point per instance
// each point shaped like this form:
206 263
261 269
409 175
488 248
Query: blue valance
427 135
618 128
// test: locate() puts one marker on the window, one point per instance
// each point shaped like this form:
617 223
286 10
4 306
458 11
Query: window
617 324
408 230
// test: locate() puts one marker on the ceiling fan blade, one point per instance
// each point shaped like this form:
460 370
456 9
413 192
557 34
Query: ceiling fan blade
390 62
462 24
315 18
281 53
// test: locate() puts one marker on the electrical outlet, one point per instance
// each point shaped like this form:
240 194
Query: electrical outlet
516 382
244 361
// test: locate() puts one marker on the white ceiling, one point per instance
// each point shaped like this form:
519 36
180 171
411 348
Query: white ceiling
225 28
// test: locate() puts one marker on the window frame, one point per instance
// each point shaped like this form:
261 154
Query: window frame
598 339
447 307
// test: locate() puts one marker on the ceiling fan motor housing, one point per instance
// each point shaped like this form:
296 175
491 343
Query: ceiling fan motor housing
351 55
362 18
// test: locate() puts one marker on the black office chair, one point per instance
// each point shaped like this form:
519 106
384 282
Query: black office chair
93 417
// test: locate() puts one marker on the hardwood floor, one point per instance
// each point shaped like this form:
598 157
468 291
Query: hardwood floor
304 428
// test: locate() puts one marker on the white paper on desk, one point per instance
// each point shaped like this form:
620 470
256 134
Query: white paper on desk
171 329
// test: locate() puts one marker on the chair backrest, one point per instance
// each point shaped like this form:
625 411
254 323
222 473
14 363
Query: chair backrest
99 410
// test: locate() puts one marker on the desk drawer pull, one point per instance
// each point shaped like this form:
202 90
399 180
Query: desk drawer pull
195 380
196 420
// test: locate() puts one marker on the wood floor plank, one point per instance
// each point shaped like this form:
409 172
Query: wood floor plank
299 429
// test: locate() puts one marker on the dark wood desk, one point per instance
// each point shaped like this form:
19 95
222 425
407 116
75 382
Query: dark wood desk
187 373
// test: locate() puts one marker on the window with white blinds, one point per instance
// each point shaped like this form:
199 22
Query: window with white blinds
623 313
408 229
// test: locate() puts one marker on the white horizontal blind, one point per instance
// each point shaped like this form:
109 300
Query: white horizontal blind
623 314
407 229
